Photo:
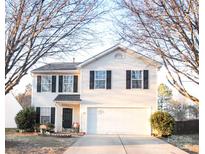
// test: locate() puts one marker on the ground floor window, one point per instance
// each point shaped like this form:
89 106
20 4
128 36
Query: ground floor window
45 115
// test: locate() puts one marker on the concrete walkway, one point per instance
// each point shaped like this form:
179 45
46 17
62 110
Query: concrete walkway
121 144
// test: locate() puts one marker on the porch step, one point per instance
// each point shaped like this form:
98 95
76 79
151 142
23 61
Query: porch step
61 134
68 130
57 134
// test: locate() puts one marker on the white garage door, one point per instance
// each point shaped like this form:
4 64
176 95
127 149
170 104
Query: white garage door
118 121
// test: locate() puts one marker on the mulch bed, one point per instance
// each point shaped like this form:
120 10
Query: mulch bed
57 135
62 134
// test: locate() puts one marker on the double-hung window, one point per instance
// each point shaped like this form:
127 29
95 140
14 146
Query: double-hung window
136 79
100 79
46 83
68 83
45 115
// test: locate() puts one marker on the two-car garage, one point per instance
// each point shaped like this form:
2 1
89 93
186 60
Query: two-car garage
116 120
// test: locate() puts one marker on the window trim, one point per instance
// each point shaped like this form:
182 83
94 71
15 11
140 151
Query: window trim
142 81
43 76
100 79
71 86
49 115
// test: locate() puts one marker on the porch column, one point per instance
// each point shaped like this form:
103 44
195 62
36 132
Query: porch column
83 118
58 118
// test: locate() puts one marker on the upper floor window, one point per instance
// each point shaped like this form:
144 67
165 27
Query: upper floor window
46 83
68 83
100 79
136 79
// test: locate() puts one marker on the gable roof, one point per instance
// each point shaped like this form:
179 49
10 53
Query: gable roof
56 66
125 49
74 66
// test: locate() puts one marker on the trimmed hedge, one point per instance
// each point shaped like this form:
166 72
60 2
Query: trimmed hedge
162 124
25 119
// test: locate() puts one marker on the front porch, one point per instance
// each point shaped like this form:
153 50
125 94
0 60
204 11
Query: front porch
67 112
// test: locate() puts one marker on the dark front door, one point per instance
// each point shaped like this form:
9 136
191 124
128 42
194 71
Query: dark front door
67 117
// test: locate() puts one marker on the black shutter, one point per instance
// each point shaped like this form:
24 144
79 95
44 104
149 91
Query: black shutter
128 79
75 84
92 78
37 115
53 83
60 83
53 115
108 85
38 83
146 79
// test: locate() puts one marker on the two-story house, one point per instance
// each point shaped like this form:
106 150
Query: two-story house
113 92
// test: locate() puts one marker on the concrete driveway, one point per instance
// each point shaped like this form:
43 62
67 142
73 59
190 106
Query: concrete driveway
121 144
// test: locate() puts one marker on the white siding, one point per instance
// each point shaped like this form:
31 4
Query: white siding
45 99
118 95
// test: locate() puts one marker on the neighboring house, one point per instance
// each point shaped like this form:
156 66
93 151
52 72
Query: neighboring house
110 93
12 107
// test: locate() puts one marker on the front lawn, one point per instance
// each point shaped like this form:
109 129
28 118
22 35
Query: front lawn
188 143
18 143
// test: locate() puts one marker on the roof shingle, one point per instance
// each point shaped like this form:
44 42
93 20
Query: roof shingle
57 66
64 97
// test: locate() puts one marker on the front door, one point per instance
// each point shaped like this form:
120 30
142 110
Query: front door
67 117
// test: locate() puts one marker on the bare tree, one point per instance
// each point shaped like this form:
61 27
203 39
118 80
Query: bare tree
24 99
169 29
42 28
181 110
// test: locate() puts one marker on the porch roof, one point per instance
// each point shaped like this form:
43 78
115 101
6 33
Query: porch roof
66 97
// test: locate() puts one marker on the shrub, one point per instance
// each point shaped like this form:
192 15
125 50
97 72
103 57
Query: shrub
50 127
162 123
25 119
37 127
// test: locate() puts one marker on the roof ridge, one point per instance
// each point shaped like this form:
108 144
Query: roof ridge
63 63
116 46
